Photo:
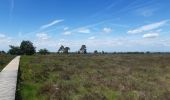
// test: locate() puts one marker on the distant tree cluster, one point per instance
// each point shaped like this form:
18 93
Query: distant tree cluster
66 50
2 52
25 48
63 49
15 50
43 51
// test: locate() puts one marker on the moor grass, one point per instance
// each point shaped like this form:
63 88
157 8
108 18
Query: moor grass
95 77
4 60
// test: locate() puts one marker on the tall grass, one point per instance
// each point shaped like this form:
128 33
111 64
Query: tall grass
95 77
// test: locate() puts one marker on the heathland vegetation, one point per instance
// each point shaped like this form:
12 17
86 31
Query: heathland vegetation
4 59
99 75
95 77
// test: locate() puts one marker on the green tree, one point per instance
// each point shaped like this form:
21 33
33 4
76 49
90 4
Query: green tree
2 52
43 51
27 48
61 49
83 49
103 52
66 50
95 52
14 50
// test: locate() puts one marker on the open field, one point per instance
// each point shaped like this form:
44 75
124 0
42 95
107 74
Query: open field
95 77
4 60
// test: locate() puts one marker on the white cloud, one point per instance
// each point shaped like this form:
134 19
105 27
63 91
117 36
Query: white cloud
5 41
42 36
66 28
151 35
67 33
51 24
107 30
5 38
84 30
108 44
2 36
148 27
92 38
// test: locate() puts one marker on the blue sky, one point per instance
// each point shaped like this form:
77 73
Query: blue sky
109 25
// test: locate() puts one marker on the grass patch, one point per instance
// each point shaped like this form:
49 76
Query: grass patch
95 77
4 60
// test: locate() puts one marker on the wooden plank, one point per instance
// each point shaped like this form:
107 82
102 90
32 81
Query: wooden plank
8 80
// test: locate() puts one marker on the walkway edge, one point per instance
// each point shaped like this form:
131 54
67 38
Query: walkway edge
8 80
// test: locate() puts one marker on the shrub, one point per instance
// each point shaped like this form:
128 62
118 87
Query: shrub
14 50
44 51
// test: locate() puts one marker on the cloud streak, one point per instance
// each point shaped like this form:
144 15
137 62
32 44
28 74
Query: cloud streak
92 38
148 27
51 23
12 5
107 30
151 35
42 36
146 12
84 30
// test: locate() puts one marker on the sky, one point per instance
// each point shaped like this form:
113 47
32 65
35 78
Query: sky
108 25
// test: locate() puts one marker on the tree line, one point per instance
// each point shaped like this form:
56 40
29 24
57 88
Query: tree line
27 48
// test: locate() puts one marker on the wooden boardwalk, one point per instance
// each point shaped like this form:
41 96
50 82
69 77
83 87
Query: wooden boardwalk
8 80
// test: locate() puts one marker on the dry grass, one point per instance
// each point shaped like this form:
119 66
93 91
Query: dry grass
95 77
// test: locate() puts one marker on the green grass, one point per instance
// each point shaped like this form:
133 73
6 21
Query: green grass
4 60
95 77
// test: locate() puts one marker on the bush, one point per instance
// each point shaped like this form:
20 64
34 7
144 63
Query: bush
43 51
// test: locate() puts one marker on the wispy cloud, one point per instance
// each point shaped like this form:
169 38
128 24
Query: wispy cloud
67 33
52 24
66 28
146 12
92 38
12 5
2 36
148 27
5 41
107 30
84 30
42 36
151 35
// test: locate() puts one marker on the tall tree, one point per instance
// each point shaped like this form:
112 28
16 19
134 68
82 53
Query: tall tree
61 49
83 49
95 52
66 50
27 48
